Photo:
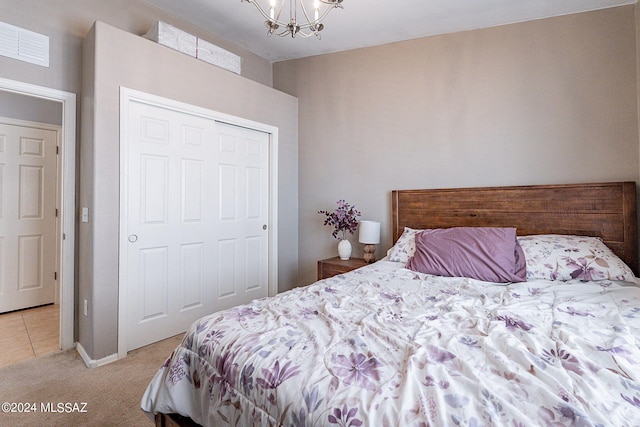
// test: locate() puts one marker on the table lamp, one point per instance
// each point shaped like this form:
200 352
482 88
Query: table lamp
369 235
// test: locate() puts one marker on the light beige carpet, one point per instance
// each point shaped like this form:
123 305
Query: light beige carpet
111 392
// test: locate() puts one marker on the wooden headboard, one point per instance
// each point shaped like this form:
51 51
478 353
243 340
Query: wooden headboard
605 210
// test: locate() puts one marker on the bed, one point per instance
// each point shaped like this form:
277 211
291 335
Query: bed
398 343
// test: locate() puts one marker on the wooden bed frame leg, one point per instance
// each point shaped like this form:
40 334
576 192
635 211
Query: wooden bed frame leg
160 421
174 420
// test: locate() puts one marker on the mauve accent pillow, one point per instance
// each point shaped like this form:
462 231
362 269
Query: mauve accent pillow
482 253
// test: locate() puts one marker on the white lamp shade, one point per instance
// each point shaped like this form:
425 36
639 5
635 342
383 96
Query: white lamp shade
369 232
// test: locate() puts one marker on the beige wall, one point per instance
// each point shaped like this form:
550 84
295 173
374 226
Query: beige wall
549 101
29 108
66 22
114 59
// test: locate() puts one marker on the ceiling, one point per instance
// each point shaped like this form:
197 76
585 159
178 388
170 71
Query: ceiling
363 23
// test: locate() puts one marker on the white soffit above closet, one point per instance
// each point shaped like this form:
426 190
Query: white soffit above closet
364 23
24 45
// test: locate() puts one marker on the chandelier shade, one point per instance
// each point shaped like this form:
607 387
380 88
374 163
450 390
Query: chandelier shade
304 20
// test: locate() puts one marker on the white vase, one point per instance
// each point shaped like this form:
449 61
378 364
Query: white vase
344 249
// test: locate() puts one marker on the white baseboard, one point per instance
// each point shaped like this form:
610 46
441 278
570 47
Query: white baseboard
94 363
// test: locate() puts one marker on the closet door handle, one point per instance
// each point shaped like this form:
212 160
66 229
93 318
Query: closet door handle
133 238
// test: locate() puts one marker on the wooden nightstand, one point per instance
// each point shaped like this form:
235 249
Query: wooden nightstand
331 266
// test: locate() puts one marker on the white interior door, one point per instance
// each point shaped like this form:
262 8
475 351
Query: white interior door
28 194
195 212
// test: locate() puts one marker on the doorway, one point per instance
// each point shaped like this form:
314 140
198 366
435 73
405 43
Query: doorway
65 266
28 214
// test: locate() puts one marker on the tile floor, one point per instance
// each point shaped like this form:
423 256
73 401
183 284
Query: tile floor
29 333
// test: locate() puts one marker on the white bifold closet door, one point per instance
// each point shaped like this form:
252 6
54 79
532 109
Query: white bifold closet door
197 214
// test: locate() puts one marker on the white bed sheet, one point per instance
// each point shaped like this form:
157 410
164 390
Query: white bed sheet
386 346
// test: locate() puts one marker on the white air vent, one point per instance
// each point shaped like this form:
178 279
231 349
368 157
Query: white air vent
24 45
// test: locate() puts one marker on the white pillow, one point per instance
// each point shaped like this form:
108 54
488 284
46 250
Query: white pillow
560 257
405 246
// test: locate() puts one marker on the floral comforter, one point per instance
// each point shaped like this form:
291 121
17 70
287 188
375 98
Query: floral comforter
385 346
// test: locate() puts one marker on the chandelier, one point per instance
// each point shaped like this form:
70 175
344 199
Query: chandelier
313 16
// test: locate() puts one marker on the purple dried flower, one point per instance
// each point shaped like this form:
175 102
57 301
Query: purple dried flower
343 219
